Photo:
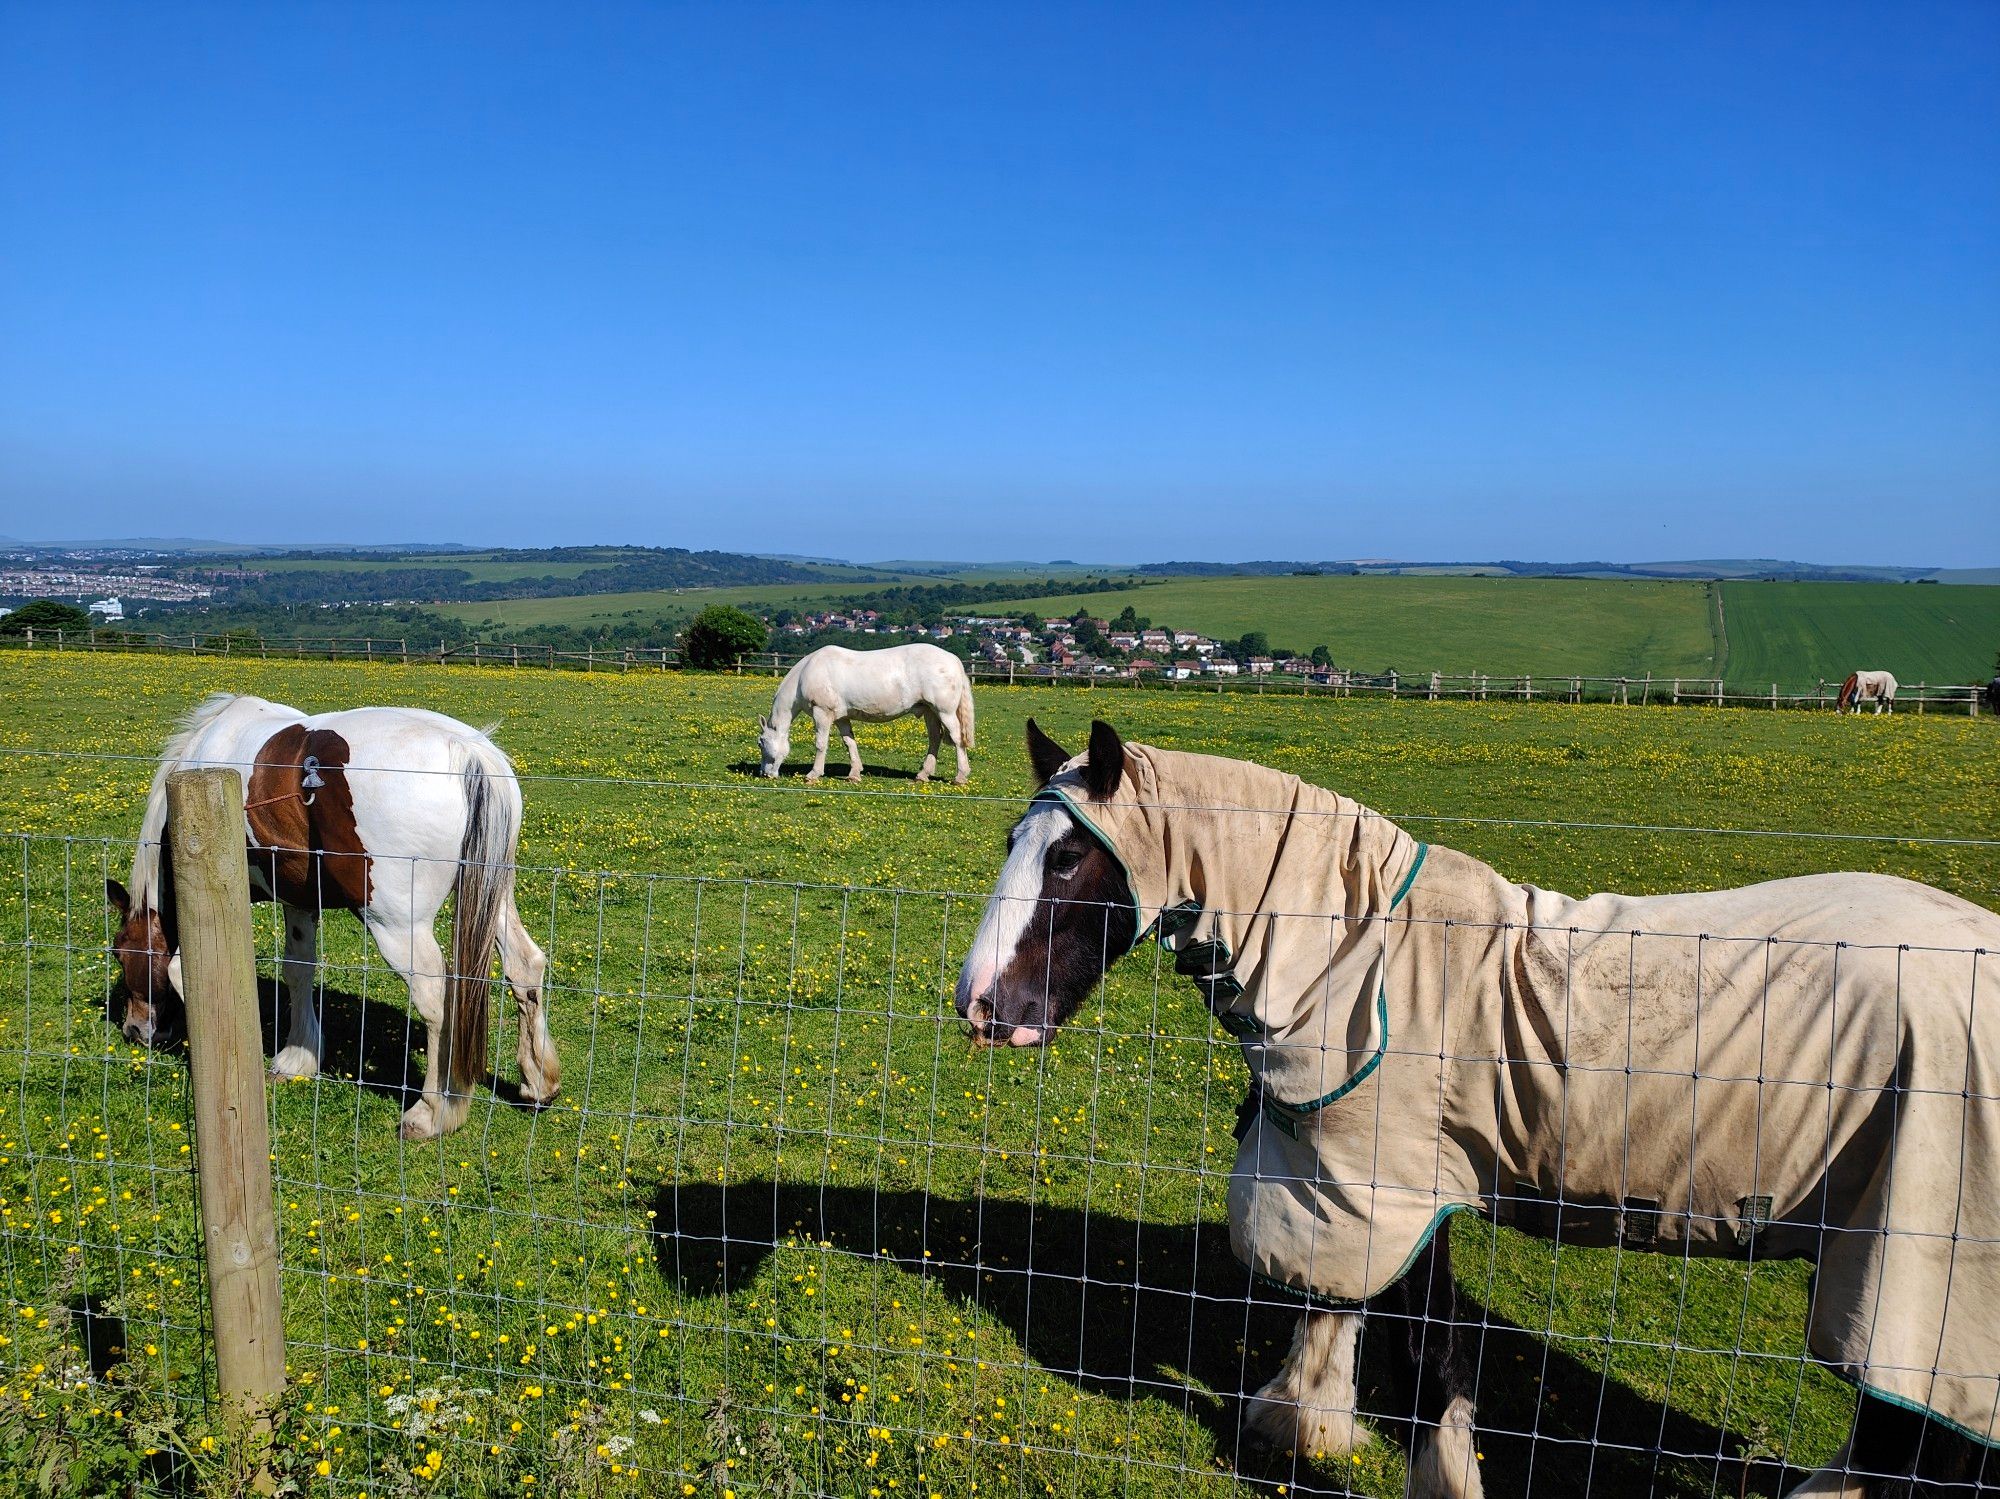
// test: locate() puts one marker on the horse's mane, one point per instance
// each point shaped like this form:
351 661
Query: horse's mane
152 829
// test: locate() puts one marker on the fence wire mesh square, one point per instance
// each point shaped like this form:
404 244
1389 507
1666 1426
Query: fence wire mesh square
785 1232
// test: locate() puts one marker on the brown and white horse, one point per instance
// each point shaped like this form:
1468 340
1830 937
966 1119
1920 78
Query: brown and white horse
380 811
1877 687
1065 907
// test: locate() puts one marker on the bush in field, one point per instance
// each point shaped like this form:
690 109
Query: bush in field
45 614
720 636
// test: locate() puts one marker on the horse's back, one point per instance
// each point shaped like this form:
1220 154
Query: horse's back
1851 907
1889 956
434 738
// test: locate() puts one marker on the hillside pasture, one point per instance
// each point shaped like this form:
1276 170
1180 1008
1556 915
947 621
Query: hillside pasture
1797 632
1503 626
785 1231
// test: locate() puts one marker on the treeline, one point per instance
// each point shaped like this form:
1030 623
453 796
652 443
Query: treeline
652 568
929 603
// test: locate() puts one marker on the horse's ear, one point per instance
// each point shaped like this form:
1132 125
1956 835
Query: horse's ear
1106 765
1044 754
121 902
763 722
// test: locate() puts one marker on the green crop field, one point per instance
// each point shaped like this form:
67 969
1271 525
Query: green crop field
1798 632
1502 626
538 1297
1789 633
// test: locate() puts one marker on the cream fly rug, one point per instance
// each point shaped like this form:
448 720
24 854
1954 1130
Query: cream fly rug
1808 1068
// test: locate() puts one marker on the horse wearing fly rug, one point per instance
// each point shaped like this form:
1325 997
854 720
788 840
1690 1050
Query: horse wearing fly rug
1877 687
839 687
380 811
1426 1038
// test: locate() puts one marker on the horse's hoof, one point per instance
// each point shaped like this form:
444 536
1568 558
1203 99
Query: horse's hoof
294 1061
419 1123
854 778
923 776
538 1089
811 777
960 780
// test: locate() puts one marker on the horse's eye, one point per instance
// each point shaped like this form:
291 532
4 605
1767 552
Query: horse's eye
1063 862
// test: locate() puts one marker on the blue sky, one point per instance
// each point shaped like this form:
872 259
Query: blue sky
1102 282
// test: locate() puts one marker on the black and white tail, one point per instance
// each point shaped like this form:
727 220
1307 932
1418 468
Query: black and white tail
479 904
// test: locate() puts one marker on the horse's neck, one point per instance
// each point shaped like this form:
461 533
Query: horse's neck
785 702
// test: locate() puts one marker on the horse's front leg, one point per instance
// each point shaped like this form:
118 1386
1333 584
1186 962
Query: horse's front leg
822 727
300 1055
1308 1407
1433 1368
846 728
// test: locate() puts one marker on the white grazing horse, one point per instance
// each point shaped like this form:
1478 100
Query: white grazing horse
838 686
379 811
1877 687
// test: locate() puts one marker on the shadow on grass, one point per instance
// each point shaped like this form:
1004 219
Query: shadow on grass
836 770
1162 1311
367 1041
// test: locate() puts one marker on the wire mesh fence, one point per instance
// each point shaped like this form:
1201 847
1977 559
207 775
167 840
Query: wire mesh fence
784 1231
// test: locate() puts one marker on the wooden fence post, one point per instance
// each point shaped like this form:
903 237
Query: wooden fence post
226 1063
1920 699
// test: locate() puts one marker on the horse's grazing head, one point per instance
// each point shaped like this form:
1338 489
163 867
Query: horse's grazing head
1060 914
153 1012
772 742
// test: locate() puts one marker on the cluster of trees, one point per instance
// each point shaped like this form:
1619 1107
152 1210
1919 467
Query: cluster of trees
633 569
929 603
46 616
1130 621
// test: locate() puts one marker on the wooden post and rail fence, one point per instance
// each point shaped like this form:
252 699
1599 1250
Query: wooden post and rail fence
1433 686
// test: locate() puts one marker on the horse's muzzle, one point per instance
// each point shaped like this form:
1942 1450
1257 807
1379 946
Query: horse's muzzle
986 1030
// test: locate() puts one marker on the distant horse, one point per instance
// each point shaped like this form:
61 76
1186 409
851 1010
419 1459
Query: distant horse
1991 693
1877 687
1813 1076
839 687
379 811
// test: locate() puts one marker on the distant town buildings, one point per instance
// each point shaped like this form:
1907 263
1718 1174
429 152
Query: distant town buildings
67 583
1051 645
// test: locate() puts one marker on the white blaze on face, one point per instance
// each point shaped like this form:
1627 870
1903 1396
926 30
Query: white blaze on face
1008 911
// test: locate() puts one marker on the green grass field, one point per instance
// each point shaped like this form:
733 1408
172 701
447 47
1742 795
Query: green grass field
1796 632
539 1296
1790 633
